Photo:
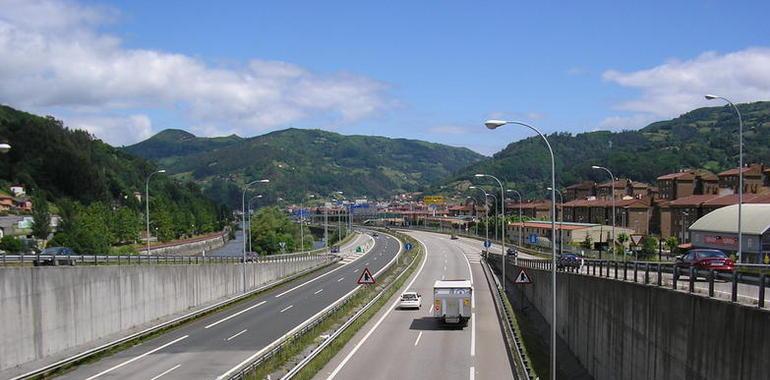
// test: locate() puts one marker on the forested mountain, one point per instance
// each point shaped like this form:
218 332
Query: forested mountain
704 138
95 185
301 161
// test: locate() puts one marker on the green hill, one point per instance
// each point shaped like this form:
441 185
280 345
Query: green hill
703 138
302 161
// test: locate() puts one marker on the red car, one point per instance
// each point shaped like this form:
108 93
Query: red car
706 259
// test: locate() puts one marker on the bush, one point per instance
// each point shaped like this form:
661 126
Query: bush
10 244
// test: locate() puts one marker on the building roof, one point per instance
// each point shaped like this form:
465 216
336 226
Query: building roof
754 169
585 185
692 200
618 184
755 219
631 203
678 175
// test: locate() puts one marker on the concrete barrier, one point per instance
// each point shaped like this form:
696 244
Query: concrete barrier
46 310
621 330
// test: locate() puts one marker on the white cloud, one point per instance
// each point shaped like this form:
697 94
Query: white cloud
64 61
115 130
677 86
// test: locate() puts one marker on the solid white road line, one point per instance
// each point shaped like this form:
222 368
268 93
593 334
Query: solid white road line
316 278
318 291
287 308
418 338
235 315
137 358
379 321
166 372
233 337
473 373
341 278
470 273
473 334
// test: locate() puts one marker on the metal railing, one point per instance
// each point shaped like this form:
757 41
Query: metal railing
742 280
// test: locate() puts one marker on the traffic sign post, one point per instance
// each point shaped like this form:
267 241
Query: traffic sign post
636 238
522 278
532 239
487 243
366 278
408 246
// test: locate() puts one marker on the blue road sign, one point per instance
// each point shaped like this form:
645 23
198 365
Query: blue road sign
487 243
532 239
408 246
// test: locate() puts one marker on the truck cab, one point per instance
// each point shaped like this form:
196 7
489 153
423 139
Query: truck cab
452 301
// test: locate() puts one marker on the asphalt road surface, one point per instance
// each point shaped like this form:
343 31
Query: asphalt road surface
411 344
210 347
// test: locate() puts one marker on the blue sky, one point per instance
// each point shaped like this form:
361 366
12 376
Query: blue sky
432 70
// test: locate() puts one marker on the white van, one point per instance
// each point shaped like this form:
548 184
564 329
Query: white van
452 301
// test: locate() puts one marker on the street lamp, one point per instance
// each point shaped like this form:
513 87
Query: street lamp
4 148
243 223
521 222
740 170
493 124
502 196
249 209
147 204
612 196
485 207
561 220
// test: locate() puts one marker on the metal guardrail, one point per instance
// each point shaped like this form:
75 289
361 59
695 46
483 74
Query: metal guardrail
275 347
523 369
643 272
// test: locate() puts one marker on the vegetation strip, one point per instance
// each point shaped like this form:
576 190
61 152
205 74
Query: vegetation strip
120 344
312 336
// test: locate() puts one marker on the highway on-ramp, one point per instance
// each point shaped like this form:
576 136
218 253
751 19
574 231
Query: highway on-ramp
216 344
410 344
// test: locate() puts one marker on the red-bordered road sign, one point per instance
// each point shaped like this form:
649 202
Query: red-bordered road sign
366 278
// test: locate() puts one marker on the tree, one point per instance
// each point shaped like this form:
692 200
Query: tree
649 246
270 227
587 242
125 226
10 244
41 218
622 239
672 243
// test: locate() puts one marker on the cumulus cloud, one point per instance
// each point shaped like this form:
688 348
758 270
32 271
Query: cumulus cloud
678 86
115 130
52 54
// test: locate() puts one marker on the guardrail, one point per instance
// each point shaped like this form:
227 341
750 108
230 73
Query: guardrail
652 273
277 346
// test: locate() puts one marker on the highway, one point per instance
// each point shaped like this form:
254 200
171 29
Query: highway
213 346
410 344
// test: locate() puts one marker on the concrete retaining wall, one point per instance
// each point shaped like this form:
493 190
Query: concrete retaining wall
195 248
45 310
621 330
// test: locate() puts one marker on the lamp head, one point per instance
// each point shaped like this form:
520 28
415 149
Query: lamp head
4 148
595 167
161 171
472 187
264 180
493 124
479 175
711 97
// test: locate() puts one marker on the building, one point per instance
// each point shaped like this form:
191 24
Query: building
571 233
718 229
753 180
632 213
17 190
677 215
580 190
686 183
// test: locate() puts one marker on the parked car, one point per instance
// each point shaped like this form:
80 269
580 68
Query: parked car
512 252
568 260
706 259
57 256
335 249
375 234
410 300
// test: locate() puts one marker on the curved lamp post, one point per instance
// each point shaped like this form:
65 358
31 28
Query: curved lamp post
147 204
485 206
502 220
740 170
521 223
493 124
612 197
243 223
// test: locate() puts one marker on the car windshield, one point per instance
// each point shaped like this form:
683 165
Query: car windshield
53 251
408 297
711 254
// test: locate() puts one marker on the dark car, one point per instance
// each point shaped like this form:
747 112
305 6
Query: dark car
56 256
706 259
335 249
568 260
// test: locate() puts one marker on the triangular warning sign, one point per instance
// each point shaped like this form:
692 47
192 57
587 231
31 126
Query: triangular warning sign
636 239
522 278
366 277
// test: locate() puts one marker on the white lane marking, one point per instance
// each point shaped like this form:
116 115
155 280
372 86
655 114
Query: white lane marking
235 315
473 334
444 268
307 321
316 278
287 308
166 372
473 373
341 278
379 321
366 264
418 338
470 273
137 358
318 291
233 337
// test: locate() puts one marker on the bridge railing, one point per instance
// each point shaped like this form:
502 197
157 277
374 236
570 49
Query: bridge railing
745 282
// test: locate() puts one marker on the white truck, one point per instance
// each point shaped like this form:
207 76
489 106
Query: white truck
452 301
